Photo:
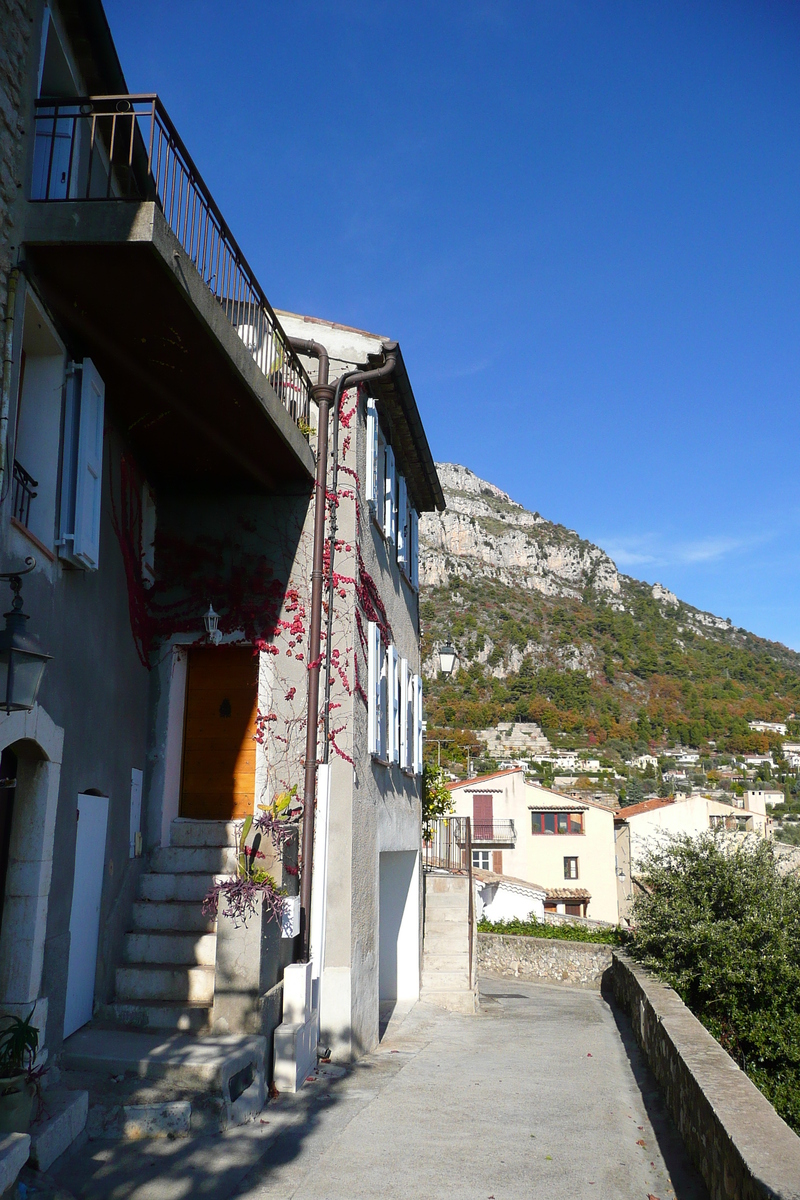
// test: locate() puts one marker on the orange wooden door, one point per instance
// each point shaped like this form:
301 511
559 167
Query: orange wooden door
219 751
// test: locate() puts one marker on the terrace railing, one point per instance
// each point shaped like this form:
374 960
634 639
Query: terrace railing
126 148
23 494
494 831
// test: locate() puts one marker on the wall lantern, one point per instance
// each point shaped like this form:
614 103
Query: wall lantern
447 658
22 662
211 622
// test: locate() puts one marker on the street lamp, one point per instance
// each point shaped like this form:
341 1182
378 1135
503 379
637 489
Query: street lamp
22 661
447 658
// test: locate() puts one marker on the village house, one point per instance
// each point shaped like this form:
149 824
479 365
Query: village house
158 451
651 824
530 833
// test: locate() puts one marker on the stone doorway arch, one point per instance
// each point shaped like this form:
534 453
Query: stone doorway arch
38 744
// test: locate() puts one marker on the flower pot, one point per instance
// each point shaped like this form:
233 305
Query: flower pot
16 1104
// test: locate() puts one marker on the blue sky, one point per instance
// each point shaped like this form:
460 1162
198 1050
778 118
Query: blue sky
579 218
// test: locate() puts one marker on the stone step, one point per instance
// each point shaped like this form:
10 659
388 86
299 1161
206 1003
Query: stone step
440 900
170 1084
448 981
62 1121
176 949
192 859
445 885
14 1151
445 919
169 886
187 832
192 984
445 962
447 941
154 1014
174 915
462 1000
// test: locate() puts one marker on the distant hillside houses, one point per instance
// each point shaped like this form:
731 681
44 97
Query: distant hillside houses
768 727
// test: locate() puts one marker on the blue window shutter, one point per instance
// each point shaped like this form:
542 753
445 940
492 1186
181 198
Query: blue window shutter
402 521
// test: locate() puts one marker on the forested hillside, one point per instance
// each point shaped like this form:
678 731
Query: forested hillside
547 630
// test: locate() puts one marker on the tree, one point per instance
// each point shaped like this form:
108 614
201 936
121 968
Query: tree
722 926
437 800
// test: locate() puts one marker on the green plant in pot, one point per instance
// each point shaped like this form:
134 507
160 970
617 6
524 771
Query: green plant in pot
19 1043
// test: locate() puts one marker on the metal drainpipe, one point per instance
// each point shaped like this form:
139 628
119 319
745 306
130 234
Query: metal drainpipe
8 347
352 379
323 393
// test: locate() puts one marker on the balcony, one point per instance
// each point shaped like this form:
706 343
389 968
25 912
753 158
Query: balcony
127 245
495 833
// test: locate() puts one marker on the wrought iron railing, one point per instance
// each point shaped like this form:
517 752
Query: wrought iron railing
494 831
22 494
126 148
447 845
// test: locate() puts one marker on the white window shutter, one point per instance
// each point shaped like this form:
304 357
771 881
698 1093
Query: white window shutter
89 468
417 725
372 453
393 705
373 685
382 696
413 549
404 726
389 511
402 521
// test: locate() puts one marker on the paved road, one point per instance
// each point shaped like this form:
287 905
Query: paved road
541 1097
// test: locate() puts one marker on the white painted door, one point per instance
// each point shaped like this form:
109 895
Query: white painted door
84 922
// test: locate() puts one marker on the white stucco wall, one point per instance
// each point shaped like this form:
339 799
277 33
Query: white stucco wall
539 858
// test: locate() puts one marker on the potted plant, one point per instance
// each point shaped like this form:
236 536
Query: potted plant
19 1043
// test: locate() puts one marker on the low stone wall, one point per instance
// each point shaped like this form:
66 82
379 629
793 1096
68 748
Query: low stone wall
543 960
740 1145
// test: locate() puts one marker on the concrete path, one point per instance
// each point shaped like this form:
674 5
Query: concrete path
543 1095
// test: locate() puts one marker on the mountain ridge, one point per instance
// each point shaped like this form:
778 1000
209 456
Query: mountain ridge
548 629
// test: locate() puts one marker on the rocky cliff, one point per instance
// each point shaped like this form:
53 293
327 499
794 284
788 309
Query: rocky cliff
548 630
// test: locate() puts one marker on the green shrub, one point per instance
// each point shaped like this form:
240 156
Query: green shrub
722 926
546 929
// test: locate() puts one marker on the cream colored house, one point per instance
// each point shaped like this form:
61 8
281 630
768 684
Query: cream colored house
646 826
528 832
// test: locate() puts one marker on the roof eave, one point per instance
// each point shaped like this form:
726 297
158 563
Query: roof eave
397 397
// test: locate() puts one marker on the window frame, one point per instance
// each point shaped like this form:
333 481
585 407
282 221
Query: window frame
571 858
556 815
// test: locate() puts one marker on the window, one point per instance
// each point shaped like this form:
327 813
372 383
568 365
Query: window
376 669
82 466
419 725
406 716
570 868
148 536
376 463
557 822
480 859
392 705
389 497
38 425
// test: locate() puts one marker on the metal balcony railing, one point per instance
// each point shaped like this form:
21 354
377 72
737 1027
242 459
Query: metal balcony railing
23 493
494 831
126 148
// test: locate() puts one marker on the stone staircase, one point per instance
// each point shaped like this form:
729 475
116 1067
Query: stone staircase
166 981
149 1062
446 977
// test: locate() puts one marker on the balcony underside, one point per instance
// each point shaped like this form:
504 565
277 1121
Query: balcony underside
184 389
